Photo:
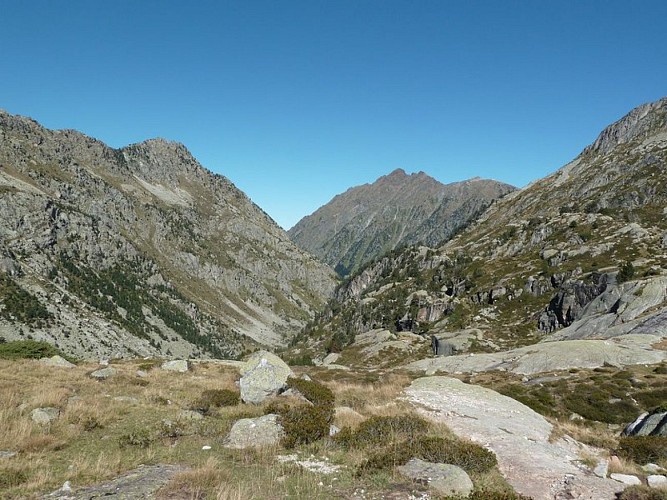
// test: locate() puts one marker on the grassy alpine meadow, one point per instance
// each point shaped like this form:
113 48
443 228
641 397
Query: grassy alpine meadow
145 415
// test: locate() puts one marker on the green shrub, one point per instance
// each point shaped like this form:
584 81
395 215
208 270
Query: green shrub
302 424
28 349
643 449
139 437
316 393
661 369
626 272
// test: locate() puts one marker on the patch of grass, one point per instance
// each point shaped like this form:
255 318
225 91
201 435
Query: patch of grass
215 398
381 430
140 437
469 456
642 493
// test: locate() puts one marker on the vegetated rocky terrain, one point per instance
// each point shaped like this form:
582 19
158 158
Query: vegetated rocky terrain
140 251
578 257
367 221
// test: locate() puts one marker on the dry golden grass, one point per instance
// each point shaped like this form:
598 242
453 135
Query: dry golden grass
359 395
623 466
599 436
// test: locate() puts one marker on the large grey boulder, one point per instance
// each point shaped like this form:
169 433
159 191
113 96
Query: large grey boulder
45 416
262 376
254 432
648 424
444 478
529 459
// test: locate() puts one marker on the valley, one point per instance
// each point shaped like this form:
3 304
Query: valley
403 318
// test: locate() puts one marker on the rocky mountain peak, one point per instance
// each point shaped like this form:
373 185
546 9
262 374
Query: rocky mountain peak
161 160
640 123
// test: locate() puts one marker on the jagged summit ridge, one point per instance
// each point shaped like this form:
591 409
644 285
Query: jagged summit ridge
640 123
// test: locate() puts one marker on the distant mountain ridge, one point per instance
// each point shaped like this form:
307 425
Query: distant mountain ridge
398 209
140 251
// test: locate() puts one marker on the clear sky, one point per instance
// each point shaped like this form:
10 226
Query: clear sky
296 101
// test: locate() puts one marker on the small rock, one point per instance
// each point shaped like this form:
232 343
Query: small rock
44 416
601 469
66 487
57 361
294 393
652 468
253 432
104 373
176 365
330 358
628 479
206 447
333 430
104 362
657 481
576 417
190 415
304 376
7 454
443 478
141 374
614 462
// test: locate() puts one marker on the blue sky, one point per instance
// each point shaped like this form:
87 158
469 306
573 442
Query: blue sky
296 101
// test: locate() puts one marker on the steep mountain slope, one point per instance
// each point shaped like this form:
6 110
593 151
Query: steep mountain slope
367 221
580 254
140 251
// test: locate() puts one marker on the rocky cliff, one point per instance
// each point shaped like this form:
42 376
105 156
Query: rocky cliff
140 251
367 221
577 255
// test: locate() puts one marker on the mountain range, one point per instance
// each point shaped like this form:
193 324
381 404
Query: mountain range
398 209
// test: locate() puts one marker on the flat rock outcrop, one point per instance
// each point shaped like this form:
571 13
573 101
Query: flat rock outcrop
519 437
551 356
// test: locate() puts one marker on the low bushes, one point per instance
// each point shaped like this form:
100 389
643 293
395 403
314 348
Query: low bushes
396 439
28 349
643 449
